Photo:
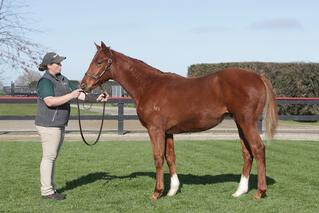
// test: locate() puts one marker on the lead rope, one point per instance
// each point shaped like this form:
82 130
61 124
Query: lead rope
81 131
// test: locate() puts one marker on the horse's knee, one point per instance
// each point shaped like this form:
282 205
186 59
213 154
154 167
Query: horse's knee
158 161
258 150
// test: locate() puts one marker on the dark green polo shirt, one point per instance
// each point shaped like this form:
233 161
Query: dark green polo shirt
45 88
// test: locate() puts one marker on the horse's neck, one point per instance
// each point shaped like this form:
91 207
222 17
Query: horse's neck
135 76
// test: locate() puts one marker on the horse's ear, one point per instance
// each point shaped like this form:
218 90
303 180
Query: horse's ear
104 47
97 46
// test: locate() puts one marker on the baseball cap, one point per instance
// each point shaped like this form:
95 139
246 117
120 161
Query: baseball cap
50 58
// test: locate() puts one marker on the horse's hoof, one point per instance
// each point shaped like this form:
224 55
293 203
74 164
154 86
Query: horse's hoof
155 196
238 193
173 191
259 195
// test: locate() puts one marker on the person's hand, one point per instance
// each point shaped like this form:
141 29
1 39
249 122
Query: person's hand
76 93
103 97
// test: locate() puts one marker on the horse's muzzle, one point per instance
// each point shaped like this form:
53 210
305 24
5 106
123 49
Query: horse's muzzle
83 86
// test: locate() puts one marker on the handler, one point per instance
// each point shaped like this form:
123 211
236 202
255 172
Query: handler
53 111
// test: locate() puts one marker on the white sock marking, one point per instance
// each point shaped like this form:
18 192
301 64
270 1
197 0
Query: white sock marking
242 187
174 185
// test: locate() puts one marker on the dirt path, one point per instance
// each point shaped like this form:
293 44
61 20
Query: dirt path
25 131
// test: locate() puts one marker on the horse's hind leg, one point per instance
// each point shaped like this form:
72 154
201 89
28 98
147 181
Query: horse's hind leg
248 160
170 159
251 135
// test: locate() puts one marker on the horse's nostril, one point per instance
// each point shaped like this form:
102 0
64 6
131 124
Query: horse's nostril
83 86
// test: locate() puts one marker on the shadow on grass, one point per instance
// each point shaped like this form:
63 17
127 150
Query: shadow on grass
184 179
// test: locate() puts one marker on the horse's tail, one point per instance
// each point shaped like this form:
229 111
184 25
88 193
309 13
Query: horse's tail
271 113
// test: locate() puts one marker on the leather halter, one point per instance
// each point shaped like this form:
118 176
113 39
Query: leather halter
108 67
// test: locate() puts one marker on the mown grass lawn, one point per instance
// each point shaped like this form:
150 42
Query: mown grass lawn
119 177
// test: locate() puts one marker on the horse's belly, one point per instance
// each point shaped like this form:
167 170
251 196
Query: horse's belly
194 125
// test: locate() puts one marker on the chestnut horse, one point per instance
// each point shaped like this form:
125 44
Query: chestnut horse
168 104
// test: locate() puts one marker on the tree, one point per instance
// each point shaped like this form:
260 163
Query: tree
26 78
16 49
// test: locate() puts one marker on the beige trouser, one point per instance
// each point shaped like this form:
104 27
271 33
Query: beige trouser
51 139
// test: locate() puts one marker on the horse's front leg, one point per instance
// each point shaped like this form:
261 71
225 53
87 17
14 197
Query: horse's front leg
157 136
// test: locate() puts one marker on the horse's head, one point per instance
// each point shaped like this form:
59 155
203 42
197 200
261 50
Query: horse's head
100 69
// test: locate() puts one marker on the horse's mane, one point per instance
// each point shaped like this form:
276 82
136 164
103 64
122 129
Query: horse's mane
147 67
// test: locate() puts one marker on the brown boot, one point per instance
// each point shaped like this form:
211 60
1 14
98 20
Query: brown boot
54 196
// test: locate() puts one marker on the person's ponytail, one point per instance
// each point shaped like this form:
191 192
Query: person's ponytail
42 67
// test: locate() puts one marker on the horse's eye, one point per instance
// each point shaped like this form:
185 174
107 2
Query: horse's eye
99 62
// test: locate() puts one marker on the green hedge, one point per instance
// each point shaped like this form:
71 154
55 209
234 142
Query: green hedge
288 79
